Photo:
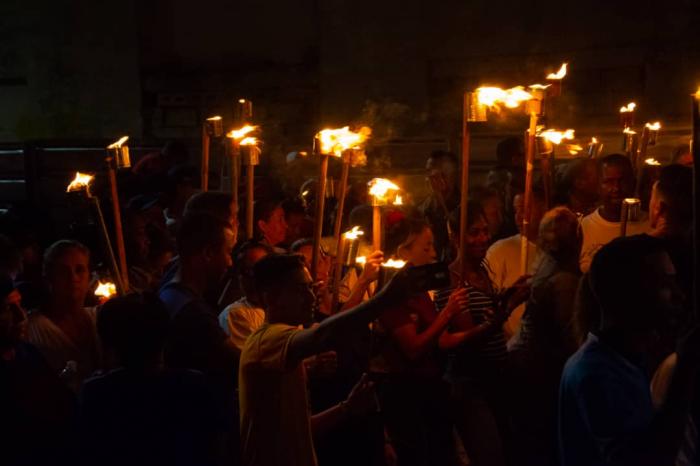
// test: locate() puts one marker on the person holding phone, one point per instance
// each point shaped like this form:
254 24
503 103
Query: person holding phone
478 369
413 396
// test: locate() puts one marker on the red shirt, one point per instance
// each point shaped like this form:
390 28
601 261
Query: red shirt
419 311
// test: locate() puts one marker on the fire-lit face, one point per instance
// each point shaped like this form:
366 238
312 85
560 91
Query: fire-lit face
69 276
477 240
442 176
616 184
419 250
219 258
275 228
493 210
294 300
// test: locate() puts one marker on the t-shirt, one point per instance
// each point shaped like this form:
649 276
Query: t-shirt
275 417
420 311
58 348
605 407
196 341
597 232
239 320
503 259
162 418
489 355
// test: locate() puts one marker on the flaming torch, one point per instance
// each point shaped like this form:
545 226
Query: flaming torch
346 254
381 192
236 136
344 144
212 128
105 291
695 151
650 134
555 80
595 148
118 157
81 182
475 109
250 156
552 138
627 115
631 208
388 270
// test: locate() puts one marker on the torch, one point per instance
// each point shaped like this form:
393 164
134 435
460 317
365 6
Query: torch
250 156
388 270
631 208
554 81
650 134
380 190
491 98
105 291
236 136
118 157
344 144
243 111
346 255
695 151
81 182
552 138
627 121
212 128
595 148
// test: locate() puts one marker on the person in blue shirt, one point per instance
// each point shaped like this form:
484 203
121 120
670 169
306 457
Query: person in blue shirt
606 416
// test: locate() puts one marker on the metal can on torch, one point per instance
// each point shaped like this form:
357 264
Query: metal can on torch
631 210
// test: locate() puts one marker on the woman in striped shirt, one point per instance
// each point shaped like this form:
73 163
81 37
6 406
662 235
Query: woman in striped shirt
478 368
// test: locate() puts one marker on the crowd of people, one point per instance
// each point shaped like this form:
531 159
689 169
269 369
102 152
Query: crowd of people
227 351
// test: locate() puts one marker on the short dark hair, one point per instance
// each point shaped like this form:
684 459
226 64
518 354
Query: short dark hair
198 231
211 202
300 243
58 249
474 213
444 155
616 273
264 209
243 266
134 326
272 270
675 185
506 148
617 160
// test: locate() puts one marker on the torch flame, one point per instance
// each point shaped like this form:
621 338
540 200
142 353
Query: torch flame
379 187
628 108
398 200
80 181
511 98
394 264
654 126
629 130
574 149
361 260
119 143
539 87
556 137
214 118
238 134
335 141
241 101
559 74
106 290
354 233
249 141
651 161
594 140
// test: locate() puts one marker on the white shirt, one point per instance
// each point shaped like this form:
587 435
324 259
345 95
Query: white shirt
503 258
239 320
597 232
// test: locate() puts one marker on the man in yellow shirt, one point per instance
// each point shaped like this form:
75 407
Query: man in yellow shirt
276 425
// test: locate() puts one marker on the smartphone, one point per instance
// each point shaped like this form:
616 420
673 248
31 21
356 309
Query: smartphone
428 277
